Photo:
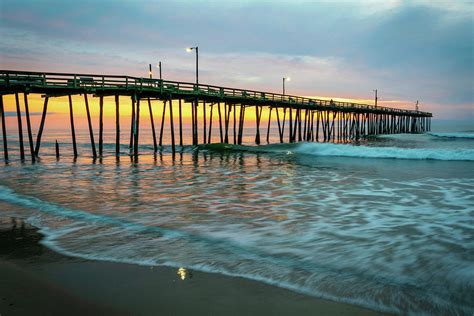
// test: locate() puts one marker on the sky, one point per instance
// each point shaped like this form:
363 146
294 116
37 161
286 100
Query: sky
407 50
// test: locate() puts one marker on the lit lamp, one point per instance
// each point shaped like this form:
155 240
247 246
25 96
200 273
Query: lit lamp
190 49
285 79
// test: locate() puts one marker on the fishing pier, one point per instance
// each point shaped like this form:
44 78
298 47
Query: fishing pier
297 118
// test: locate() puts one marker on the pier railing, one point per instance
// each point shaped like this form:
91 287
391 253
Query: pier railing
93 83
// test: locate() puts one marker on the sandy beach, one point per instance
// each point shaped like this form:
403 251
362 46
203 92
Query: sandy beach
36 280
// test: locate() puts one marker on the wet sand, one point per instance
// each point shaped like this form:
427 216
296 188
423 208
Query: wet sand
36 280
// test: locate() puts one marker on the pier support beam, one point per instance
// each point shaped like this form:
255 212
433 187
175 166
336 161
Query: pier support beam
193 127
220 122
195 122
28 127
4 129
132 125
318 113
210 124
204 128
227 110
117 125
73 130
280 130
258 114
235 123
89 121
152 121
101 125
162 123
136 129
290 136
269 122
180 125
173 146
241 124
20 127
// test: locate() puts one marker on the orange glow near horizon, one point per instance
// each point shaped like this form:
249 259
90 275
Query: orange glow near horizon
58 111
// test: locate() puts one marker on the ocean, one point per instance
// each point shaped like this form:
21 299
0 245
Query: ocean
385 223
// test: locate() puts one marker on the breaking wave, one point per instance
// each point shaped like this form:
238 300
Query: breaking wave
339 150
355 151
468 135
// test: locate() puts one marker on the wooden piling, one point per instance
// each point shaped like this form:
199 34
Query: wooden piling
268 126
173 146
290 137
20 127
235 123
192 123
57 149
331 133
136 129
4 129
318 115
306 126
89 121
299 124
323 124
204 129
227 110
117 125
132 125
295 125
196 131
101 125
220 122
41 127
28 127
257 123
73 130
283 124
162 123
152 121
241 123
280 131
328 127
180 125
210 124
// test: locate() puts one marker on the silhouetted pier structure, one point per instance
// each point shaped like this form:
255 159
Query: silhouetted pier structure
297 118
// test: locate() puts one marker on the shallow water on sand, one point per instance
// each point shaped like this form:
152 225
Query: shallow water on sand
386 223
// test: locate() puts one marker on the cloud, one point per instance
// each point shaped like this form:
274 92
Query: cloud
408 50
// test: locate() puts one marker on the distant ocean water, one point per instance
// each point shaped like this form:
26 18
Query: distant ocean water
386 223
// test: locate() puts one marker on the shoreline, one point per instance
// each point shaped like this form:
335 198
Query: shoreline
38 279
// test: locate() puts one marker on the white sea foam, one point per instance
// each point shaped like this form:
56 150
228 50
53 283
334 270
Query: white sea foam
453 135
344 150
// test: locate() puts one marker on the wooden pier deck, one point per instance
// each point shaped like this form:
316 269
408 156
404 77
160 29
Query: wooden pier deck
307 119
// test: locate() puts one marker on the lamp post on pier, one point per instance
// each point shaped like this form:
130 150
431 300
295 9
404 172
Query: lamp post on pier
150 73
190 49
159 67
285 79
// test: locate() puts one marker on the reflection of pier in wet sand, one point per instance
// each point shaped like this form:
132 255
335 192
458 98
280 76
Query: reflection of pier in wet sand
305 119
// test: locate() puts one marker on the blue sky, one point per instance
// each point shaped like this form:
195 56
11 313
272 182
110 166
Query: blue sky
408 50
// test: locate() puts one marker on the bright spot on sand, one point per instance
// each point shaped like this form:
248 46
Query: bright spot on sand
182 273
